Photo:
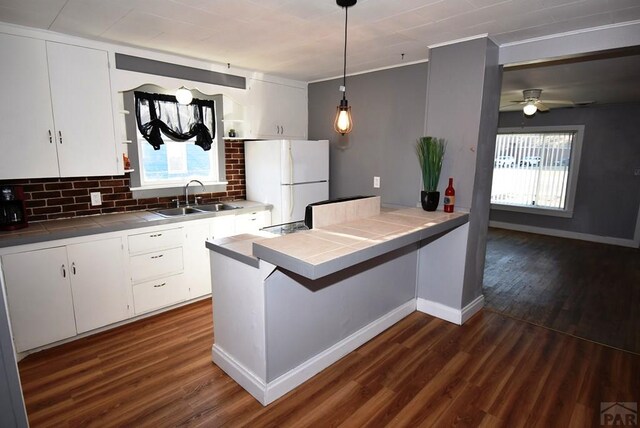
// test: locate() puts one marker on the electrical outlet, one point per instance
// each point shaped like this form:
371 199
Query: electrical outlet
376 182
96 199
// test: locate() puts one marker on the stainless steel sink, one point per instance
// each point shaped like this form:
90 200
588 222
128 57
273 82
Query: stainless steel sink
216 207
175 212
200 209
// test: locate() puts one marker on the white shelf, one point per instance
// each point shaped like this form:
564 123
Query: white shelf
129 170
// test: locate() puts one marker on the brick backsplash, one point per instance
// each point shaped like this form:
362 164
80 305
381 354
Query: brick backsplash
53 198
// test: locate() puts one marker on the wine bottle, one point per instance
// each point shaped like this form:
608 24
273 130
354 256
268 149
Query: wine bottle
449 197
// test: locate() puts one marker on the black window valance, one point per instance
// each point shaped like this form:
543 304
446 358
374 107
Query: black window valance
159 113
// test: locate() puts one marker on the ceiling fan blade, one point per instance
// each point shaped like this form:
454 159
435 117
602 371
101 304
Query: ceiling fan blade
517 101
541 106
564 102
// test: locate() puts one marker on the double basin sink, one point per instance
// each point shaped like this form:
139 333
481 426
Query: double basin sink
197 209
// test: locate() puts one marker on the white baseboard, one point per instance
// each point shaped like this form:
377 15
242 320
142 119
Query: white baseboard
632 243
447 313
267 393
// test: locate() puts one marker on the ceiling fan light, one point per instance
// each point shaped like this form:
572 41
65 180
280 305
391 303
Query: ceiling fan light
184 96
530 108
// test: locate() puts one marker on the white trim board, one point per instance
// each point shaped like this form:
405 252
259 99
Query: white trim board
565 234
271 391
447 313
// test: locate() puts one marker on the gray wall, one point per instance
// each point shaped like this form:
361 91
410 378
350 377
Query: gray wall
333 307
608 194
388 110
463 98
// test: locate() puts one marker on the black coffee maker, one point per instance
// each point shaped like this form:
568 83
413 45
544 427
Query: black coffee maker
12 210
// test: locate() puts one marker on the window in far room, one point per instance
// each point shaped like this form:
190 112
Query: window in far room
535 170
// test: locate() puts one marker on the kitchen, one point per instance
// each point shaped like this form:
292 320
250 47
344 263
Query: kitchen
394 189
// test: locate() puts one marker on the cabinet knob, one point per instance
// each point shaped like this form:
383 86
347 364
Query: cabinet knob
73 268
50 137
157 257
60 135
64 271
160 285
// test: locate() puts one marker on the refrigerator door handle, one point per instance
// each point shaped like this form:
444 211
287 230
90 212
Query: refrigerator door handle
291 199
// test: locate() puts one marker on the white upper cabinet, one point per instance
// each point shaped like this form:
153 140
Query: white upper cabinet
82 110
57 118
26 119
276 111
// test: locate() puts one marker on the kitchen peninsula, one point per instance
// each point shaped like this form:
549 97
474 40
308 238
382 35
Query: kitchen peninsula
286 307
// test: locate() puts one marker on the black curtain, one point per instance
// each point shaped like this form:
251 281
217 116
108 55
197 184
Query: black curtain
159 113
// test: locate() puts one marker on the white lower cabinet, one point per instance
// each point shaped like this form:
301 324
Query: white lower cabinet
252 222
56 293
39 297
156 265
100 294
60 289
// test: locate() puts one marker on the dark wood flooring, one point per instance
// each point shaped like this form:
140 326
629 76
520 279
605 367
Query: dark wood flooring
586 289
493 371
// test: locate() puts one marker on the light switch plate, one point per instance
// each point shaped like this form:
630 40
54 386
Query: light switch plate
96 199
376 182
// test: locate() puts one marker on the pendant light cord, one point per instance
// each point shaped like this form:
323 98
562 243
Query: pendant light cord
344 71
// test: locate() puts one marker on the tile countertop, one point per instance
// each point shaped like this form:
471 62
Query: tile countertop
81 226
319 252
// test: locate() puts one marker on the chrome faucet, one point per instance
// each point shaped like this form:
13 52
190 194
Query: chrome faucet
186 192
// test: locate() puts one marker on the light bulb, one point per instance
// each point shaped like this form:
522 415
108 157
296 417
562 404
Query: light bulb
184 96
530 108
343 123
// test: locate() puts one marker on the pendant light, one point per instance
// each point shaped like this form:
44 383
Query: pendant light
344 123
184 96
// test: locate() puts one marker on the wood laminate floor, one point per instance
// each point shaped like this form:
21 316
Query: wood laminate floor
586 289
493 371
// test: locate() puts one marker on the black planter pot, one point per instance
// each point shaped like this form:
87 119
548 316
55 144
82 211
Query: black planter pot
429 200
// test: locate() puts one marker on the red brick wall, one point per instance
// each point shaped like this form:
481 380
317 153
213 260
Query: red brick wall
52 198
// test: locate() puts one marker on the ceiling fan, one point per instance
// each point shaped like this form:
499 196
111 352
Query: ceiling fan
532 103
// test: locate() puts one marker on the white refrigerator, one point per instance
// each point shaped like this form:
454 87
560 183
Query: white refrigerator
289 174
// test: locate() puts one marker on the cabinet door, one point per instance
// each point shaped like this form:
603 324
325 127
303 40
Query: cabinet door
196 260
82 108
276 111
223 226
39 296
98 283
26 120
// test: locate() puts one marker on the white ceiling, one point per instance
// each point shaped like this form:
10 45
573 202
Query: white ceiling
303 39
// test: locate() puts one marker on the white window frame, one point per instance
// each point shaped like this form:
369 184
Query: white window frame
574 166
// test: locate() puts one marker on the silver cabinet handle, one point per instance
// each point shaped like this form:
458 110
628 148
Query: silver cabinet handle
73 268
157 257
160 285
64 271
282 129
155 235
60 135
50 137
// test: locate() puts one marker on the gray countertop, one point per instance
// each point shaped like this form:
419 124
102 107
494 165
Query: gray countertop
319 252
82 226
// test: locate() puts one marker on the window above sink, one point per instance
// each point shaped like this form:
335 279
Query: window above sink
164 172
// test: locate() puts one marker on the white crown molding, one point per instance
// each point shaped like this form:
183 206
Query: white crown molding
372 70
570 33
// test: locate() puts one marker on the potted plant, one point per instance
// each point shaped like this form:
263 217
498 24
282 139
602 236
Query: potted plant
430 151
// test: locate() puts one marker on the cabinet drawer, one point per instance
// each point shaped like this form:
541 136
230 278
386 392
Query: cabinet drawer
151 295
156 264
152 241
